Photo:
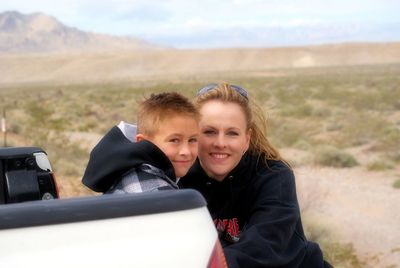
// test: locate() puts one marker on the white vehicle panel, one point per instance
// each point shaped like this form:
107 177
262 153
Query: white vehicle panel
184 239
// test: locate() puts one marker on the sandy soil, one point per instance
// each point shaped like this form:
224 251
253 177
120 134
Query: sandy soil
358 206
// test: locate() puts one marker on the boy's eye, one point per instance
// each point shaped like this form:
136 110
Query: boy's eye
193 140
174 140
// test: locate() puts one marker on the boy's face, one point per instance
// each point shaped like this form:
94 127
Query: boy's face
177 138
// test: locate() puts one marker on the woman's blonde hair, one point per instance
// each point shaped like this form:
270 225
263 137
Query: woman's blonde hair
256 120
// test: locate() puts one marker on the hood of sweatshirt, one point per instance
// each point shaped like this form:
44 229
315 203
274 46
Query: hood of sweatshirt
115 154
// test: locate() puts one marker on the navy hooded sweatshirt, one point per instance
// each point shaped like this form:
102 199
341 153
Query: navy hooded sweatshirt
256 212
116 158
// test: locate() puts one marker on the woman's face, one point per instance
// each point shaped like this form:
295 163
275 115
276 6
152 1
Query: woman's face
224 137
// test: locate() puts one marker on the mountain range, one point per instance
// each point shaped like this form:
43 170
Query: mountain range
38 48
37 32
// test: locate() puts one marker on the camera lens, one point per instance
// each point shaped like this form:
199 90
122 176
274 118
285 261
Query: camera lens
17 163
47 196
30 162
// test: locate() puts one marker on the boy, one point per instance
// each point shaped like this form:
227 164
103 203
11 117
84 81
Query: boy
162 150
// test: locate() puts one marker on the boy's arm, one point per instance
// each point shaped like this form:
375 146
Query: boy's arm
138 181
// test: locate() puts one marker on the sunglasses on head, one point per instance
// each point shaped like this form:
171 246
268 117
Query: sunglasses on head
209 87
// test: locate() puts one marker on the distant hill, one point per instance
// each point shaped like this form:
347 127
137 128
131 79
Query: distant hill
176 63
38 33
38 48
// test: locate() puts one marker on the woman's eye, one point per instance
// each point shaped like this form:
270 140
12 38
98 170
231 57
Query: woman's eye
232 133
209 132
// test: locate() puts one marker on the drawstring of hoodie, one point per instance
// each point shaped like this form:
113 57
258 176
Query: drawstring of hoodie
231 205
230 178
159 173
226 188
225 235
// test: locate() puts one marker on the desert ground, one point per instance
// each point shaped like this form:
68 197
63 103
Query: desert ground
357 207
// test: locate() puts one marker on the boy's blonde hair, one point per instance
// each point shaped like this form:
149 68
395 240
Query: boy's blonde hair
158 107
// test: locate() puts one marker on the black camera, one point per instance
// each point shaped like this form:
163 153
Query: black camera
25 175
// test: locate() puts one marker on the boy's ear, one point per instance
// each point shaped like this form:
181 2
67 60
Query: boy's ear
140 137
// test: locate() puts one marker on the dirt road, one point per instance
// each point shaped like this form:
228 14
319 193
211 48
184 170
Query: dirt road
358 206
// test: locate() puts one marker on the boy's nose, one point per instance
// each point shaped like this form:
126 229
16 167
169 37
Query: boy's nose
184 150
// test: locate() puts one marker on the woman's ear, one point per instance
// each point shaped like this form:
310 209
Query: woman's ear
140 137
248 137
249 133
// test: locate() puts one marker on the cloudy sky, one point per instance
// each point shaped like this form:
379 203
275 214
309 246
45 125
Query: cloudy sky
227 23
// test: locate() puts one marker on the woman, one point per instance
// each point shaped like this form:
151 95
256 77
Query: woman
249 188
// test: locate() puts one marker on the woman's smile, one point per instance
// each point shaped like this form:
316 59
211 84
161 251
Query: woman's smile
219 155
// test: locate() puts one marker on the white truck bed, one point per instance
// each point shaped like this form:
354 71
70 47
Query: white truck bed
161 229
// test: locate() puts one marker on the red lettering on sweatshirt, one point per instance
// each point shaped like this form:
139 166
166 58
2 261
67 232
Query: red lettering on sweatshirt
228 228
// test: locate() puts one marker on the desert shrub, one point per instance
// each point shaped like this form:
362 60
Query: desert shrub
337 254
379 165
341 255
14 128
363 99
388 143
303 144
58 124
333 157
284 134
321 112
8 142
88 125
396 105
393 156
64 167
333 126
361 128
396 184
391 139
299 110
39 113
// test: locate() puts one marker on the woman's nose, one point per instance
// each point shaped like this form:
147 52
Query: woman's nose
220 141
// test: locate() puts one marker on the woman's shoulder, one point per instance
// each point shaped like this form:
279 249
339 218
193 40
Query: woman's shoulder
274 169
276 180
277 165
270 165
